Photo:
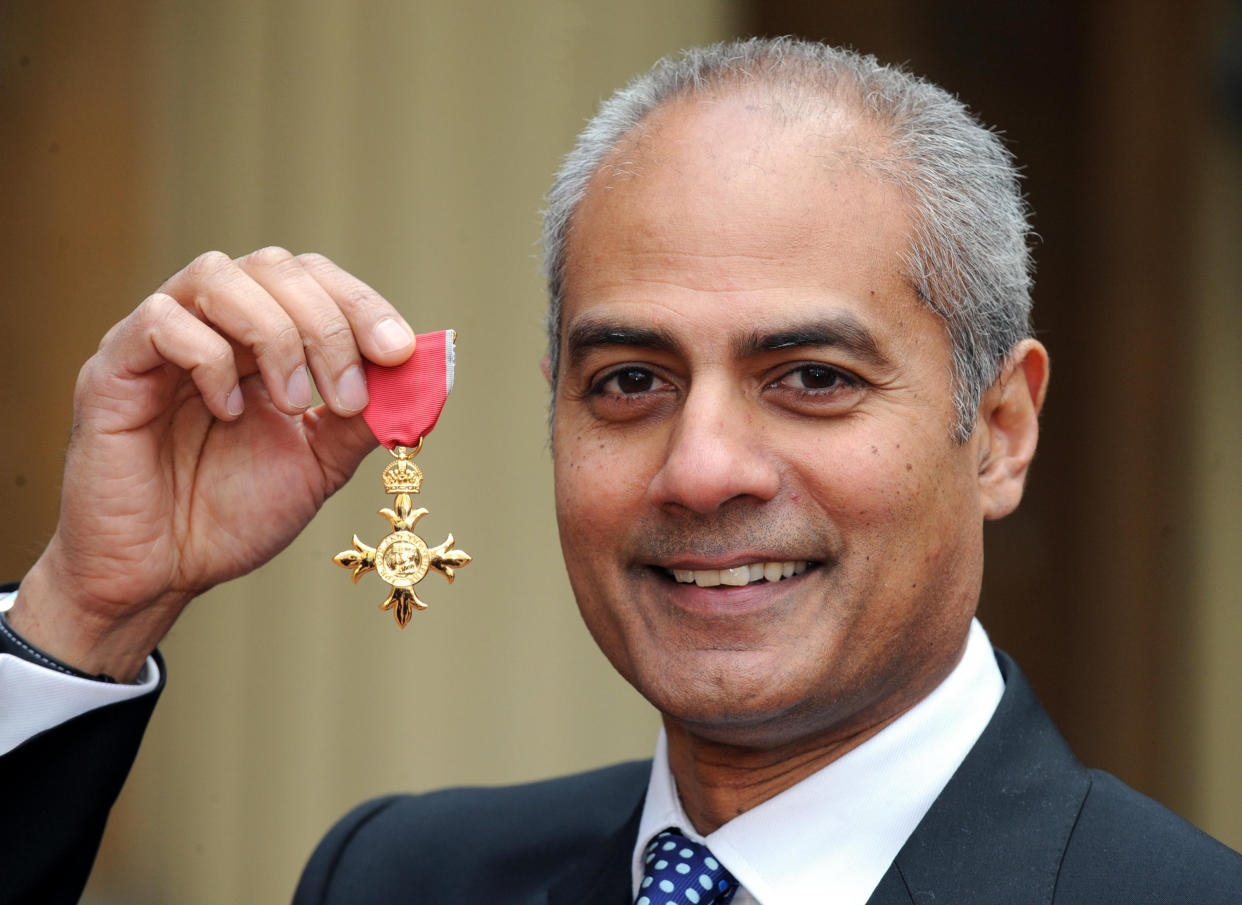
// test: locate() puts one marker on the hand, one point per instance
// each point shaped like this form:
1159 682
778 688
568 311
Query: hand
195 454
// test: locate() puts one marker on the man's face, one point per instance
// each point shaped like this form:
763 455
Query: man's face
749 387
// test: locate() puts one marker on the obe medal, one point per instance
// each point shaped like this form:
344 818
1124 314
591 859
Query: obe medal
405 403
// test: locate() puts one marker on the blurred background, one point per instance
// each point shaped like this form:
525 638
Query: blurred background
412 143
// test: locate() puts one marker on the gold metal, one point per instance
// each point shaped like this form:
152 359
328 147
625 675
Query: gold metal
403 558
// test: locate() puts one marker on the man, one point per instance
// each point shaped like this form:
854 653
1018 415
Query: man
792 374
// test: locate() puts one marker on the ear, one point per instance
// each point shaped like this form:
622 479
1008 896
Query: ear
546 367
1007 429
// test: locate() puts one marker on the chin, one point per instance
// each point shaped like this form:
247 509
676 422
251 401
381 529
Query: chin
730 697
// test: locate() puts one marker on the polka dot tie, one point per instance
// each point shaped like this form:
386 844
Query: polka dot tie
681 872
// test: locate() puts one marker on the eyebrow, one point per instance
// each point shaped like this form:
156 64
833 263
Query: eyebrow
843 331
593 333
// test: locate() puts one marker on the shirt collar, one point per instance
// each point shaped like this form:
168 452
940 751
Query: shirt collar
832 836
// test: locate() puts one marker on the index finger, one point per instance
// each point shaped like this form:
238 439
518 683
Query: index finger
382 334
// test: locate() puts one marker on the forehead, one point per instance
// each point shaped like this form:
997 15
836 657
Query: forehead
728 196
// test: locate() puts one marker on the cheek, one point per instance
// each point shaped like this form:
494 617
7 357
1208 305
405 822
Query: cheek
887 492
596 500
867 479
599 489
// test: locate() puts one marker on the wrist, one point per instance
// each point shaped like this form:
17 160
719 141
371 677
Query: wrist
86 637
13 643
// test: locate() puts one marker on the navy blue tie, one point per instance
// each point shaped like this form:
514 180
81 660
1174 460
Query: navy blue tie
680 872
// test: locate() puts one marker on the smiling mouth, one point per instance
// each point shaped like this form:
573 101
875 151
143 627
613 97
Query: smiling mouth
750 573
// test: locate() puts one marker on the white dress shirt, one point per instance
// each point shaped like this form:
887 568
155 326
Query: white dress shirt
34 698
831 837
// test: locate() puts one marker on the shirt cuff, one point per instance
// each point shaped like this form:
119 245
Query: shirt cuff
35 698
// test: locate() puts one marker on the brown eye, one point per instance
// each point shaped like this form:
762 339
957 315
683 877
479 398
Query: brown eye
817 377
628 381
628 393
814 377
817 390
634 380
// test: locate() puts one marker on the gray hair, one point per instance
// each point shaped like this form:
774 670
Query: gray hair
968 258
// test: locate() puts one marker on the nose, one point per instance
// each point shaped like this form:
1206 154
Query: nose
715 454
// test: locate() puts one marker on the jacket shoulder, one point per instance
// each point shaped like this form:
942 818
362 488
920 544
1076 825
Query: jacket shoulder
1024 823
1125 847
455 845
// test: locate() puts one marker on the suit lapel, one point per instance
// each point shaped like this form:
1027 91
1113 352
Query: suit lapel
892 889
996 833
998 830
604 877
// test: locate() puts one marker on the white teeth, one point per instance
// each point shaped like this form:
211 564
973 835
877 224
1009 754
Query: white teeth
741 575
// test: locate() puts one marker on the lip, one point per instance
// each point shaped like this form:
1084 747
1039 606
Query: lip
697 564
725 600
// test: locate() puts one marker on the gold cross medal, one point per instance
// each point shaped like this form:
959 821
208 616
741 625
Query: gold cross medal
406 402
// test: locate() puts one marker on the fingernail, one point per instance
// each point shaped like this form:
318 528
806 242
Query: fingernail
391 336
235 404
299 388
351 390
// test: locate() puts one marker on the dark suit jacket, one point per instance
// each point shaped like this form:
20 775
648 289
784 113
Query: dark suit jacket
1020 823
57 790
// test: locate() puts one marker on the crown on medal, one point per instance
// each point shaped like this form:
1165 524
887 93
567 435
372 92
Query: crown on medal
402 476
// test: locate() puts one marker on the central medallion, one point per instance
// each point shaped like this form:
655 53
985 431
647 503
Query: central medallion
401 559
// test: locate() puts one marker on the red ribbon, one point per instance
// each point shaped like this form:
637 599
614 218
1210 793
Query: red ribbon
406 401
